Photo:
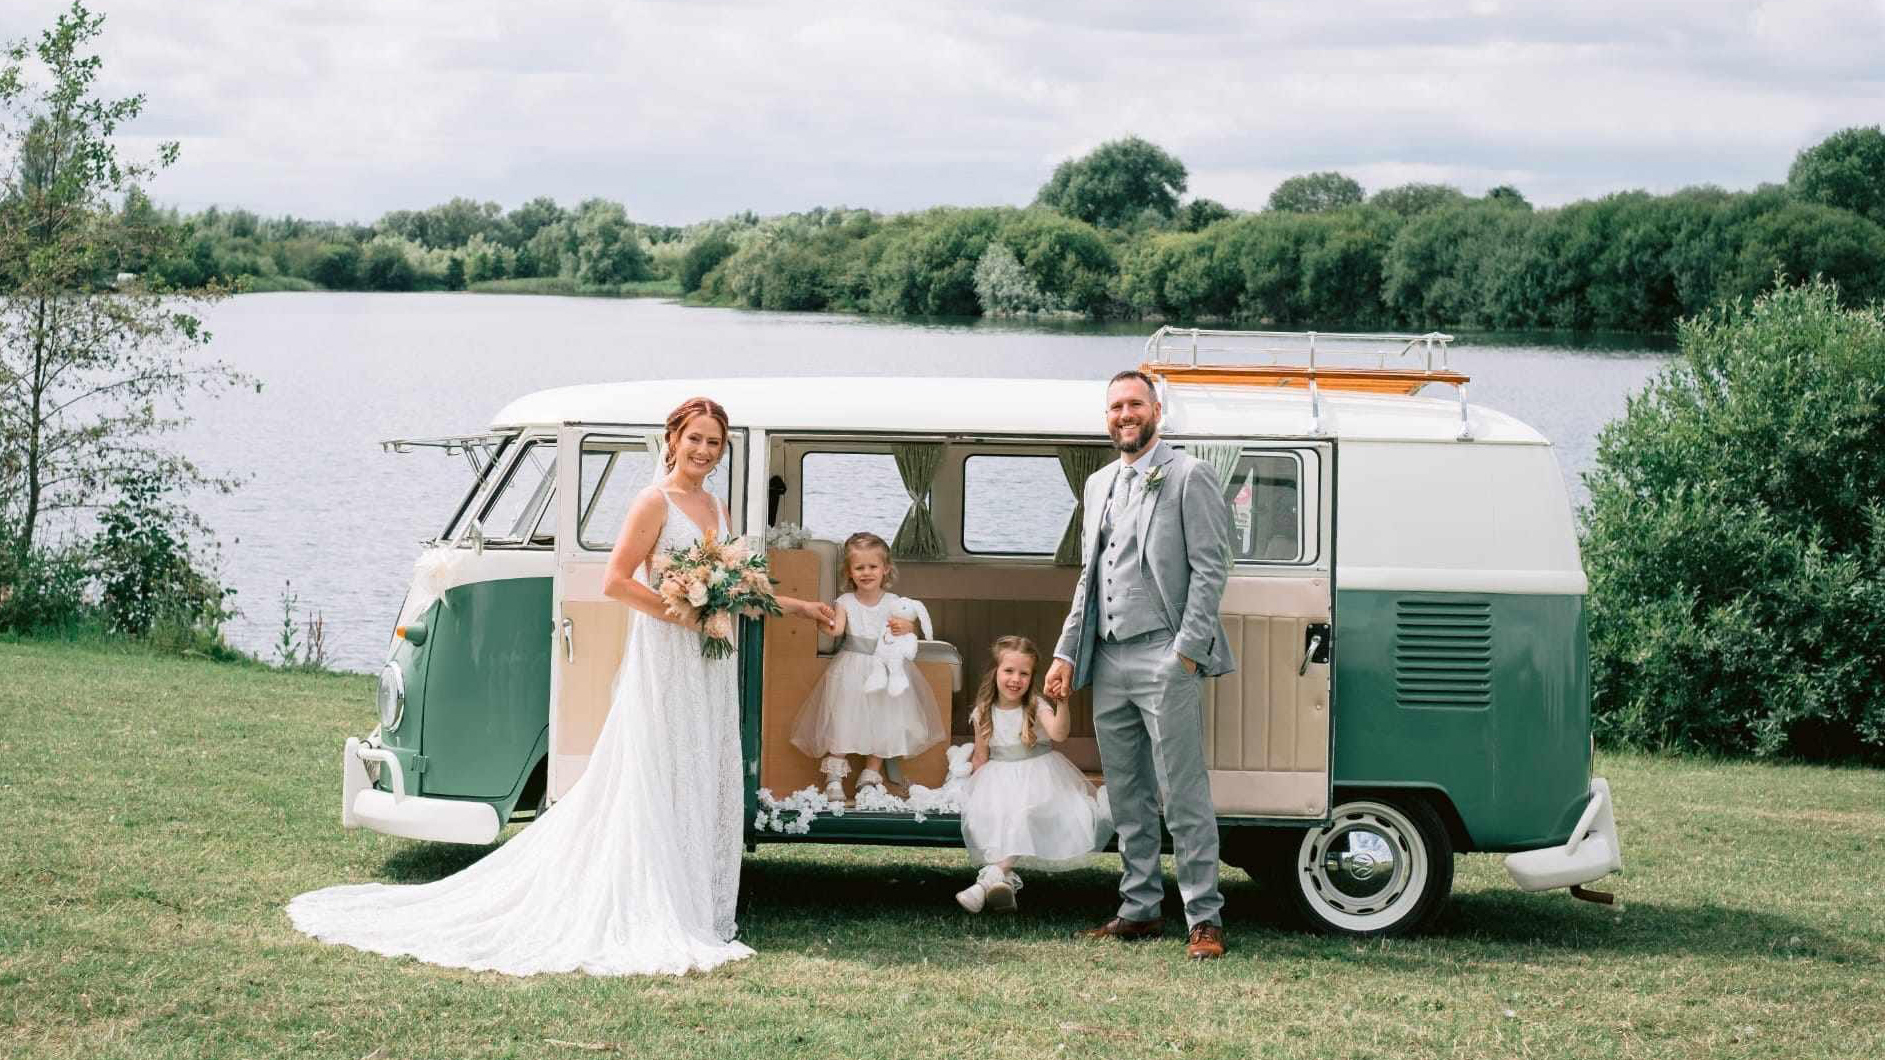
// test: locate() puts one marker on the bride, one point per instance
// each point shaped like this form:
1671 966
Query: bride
635 871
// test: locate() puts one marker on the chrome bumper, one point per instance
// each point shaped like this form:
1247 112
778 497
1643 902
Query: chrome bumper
1591 853
397 813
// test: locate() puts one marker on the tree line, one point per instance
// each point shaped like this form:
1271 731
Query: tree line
1111 235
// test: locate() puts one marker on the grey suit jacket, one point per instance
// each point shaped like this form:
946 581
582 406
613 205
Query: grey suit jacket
1184 528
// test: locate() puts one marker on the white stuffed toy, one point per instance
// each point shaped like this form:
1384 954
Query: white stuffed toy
889 663
949 797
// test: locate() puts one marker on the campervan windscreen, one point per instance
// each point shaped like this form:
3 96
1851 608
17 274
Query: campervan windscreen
521 509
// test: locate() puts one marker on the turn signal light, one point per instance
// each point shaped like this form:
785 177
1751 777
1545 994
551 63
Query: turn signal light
412 632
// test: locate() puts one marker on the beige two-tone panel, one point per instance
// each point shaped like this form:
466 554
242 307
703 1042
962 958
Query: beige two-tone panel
587 657
1266 725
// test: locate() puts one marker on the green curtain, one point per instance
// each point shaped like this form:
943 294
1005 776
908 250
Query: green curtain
1078 463
918 538
1221 458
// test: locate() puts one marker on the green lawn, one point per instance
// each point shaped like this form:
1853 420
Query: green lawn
163 810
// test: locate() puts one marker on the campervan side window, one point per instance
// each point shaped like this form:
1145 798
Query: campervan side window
523 511
614 471
1265 493
843 493
1014 505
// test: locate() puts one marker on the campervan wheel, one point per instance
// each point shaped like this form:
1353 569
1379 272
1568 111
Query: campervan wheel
1379 867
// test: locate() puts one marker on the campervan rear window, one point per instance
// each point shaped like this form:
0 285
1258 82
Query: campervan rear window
1265 493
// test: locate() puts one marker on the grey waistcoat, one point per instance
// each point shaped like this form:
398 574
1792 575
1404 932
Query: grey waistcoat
1129 602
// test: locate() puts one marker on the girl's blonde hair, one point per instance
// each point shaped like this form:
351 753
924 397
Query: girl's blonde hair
982 717
858 542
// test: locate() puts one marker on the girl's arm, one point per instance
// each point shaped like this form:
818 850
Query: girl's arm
834 619
1056 719
979 757
812 609
640 531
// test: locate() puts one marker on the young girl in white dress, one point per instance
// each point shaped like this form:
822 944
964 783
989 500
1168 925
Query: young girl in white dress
1027 804
840 717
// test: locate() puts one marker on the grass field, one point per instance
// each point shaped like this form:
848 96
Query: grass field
163 810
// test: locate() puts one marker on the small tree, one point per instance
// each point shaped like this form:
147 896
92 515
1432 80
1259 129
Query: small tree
1735 539
1115 184
1316 193
1845 170
91 371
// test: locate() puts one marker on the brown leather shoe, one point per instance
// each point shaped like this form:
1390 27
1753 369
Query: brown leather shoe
1206 943
1124 930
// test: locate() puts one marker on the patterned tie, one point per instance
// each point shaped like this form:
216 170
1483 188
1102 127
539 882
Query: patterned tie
1121 494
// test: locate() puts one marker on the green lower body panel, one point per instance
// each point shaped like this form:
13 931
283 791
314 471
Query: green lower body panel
1481 697
486 687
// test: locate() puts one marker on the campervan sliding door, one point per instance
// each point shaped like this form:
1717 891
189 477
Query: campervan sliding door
1267 725
602 468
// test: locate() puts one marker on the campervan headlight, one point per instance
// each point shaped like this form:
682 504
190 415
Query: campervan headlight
392 697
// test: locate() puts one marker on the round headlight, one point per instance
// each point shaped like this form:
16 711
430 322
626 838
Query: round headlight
392 697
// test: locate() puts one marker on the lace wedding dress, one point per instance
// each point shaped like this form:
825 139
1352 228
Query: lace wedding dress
634 872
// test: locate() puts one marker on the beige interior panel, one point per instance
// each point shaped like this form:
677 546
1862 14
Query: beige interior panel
600 629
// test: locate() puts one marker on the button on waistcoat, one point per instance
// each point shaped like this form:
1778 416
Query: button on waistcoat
1129 602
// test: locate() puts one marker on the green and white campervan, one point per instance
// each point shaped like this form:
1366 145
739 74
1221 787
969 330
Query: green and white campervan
1406 604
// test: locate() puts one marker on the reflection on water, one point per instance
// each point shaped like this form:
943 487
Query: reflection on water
325 509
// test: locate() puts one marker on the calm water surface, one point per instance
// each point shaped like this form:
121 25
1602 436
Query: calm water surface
324 509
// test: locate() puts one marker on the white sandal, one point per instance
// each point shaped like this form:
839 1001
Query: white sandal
834 769
998 893
868 777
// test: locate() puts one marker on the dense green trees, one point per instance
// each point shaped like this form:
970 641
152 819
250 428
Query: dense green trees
1110 236
1735 539
1845 171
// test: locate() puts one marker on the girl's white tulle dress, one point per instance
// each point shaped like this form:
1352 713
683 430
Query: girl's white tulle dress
840 718
634 872
1030 803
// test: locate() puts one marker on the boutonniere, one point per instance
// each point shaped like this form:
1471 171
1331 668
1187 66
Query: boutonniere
1154 479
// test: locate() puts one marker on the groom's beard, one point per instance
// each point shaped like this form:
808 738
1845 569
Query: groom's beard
1134 440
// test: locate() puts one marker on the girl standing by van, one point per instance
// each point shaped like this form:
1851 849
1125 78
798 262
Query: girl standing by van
1027 804
842 716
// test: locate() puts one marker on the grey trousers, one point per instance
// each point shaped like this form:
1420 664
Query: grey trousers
1148 713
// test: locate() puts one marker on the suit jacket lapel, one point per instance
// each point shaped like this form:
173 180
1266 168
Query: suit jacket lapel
1148 498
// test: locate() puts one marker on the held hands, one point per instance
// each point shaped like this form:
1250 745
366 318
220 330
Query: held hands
1059 682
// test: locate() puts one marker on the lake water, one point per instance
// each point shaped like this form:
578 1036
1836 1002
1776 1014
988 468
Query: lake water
324 509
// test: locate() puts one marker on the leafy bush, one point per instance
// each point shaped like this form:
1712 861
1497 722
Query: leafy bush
152 582
1735 539
42 590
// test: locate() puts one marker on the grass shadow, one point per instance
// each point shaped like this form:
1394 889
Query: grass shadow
426 862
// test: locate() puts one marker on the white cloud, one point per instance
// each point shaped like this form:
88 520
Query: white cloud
348 108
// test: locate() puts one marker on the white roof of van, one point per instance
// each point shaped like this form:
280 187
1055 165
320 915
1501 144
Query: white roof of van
1053 407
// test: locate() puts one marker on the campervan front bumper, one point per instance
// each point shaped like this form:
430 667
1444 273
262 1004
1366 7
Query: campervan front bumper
1591 853
394 812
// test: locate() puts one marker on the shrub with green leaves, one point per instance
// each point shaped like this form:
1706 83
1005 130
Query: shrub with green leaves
1735 539
42 589
152 582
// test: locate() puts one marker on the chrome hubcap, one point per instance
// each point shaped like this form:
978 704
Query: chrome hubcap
1366 869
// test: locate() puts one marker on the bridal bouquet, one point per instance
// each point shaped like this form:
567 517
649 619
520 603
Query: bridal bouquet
710 584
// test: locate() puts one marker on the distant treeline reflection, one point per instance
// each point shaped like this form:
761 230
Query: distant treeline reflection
1110 235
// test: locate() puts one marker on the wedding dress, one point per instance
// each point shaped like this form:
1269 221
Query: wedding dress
633 872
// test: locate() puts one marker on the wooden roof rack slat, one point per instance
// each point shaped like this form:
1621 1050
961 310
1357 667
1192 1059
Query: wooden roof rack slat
1205 356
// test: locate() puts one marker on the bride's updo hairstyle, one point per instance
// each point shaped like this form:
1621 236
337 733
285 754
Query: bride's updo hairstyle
685 411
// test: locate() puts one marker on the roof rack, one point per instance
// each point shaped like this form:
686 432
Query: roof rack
1303 359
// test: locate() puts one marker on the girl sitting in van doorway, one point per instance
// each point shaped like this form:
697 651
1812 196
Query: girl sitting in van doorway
1026 803
847 713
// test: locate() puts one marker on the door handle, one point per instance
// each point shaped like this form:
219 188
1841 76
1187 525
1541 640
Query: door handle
569 640
1315 646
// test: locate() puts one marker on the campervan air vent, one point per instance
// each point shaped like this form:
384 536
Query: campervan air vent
1443 653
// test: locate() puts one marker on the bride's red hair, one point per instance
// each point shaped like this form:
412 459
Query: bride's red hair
685 411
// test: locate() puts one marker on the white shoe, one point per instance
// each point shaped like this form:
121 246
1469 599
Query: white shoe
868 777
998 893
972 897
1014 880
834 791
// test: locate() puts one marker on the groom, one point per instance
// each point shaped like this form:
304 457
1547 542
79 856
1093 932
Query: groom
1144 630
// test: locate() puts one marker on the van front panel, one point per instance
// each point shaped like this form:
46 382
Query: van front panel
487 686
1483 696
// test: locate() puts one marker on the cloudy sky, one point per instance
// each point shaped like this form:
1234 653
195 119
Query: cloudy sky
344 109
